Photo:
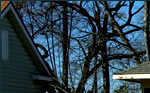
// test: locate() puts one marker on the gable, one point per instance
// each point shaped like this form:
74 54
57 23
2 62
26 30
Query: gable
24 58
28 43
19 67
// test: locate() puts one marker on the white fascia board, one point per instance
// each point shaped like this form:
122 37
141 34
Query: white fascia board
25 32
43 78
131 76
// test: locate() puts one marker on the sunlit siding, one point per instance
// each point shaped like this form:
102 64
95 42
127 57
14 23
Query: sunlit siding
16 72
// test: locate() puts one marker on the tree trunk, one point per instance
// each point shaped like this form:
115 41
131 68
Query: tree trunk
65 47
120 32
105 69
146 29
105 66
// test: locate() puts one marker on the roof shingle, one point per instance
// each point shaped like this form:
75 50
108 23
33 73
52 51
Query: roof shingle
139 69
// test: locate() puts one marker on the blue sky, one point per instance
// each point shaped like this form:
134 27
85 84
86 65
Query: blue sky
114 83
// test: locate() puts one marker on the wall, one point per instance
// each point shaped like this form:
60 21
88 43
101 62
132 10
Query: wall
16 72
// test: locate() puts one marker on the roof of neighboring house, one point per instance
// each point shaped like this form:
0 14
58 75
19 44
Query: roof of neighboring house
135 73
139 69
4 4
11 13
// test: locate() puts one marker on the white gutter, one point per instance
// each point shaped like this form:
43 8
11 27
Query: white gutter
131 76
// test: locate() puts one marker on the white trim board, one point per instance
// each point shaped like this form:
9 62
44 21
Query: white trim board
131 76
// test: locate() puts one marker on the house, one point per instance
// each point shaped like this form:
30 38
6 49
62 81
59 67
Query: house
139 74
22 69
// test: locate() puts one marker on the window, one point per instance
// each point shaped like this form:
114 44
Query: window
4 45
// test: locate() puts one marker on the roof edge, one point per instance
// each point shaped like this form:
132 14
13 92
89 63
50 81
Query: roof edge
131 76
126 71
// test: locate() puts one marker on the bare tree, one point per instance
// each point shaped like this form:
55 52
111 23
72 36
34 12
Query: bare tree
88 36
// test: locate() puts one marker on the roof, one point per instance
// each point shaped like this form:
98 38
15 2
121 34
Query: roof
4 4
139 72
139 69
10 11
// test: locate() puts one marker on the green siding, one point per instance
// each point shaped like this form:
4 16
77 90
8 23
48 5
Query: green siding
16 73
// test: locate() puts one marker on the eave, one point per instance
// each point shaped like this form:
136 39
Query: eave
132 77
134 74
41 78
